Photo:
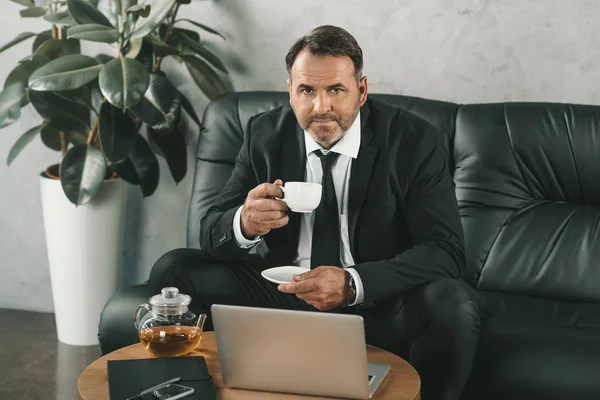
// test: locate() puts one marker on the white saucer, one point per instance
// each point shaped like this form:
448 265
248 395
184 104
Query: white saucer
283 274
302 211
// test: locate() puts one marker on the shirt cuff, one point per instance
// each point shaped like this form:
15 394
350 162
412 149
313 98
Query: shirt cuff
360 292
237 232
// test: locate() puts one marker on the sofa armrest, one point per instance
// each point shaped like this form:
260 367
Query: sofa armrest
116 329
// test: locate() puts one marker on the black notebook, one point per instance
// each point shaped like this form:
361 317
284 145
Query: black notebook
127 378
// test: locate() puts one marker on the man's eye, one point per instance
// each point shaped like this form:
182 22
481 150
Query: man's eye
336 90
306 91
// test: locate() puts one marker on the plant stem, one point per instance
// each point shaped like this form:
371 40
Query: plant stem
59 28
122 22
93 132
157 64
168 34
53 8
177 4
63 143
138 125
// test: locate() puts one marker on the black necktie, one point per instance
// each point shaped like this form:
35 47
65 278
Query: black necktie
326 228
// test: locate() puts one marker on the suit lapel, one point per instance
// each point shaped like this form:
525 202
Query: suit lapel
362 167
293 160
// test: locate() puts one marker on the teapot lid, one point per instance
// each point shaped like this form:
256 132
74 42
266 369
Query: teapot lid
170 297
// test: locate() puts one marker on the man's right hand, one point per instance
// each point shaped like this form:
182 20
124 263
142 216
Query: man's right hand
262 212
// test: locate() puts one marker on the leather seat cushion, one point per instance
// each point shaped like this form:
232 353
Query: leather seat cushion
116 328
541 310
517 359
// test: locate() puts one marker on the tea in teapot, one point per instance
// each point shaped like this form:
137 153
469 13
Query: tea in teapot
168 328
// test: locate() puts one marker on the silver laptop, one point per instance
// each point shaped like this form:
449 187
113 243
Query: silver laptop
299 352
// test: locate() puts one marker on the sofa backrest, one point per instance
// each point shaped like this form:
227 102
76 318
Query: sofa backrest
525 176
224 127
527 184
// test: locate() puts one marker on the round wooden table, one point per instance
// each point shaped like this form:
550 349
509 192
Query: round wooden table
402 381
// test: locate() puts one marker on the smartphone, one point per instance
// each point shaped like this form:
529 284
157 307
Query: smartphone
168 392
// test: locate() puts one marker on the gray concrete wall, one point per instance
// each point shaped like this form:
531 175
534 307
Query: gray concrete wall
457 50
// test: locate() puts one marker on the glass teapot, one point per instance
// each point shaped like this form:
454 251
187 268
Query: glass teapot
168 328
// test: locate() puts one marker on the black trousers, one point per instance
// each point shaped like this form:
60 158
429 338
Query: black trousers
435 327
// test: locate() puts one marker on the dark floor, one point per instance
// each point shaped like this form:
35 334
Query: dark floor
33 364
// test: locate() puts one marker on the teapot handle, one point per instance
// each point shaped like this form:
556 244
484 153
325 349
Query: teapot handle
137 317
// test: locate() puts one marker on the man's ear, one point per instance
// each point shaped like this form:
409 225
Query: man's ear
289 86
363 89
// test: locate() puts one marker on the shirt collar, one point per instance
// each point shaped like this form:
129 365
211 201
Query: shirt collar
348 145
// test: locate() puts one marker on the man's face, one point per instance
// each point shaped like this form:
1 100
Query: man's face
325 95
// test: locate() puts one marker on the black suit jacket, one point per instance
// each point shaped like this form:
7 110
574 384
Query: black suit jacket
403 219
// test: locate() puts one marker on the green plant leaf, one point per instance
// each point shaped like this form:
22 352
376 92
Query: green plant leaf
189 33
26 3
189 109
173 147
86 13
135 45
94 33
60 18
140 10
97 98
65 73
23 71
203 52
183 51
10 98
161 106
155 149
161 49
51 48
146 55
206 79
104 58
202 26
81 96
76 137
124 81
126 171
71 46
23 141
10 117
159 11
82 171
33 12
140 168
62 114
20 37
51 137
117 133
40 39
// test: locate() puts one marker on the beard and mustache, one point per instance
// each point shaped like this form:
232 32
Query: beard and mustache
327 135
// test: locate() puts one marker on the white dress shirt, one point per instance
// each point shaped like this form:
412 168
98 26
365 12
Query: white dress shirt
347 147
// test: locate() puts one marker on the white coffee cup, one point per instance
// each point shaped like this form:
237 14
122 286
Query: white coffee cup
302 197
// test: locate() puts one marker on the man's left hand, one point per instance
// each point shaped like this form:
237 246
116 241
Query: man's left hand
324 287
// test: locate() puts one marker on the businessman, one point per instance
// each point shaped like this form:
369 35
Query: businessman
386 240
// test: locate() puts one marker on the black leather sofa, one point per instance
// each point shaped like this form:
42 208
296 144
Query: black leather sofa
528 187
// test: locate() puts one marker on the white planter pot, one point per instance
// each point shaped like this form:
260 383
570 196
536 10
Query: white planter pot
85 250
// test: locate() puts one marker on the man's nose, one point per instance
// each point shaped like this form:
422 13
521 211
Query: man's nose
322 104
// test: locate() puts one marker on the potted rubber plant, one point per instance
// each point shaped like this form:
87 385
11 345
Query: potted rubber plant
109 115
